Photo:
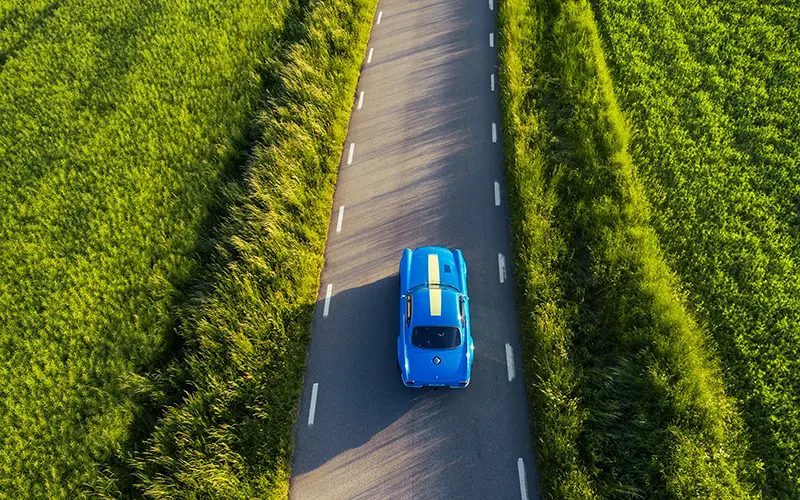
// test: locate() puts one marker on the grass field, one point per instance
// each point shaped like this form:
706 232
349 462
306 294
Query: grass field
627 392
247 331
713 91
139 194
166 173
119 120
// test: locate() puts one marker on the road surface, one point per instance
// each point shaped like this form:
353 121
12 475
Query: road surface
419 167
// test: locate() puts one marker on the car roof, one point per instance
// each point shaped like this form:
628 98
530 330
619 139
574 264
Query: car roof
435 306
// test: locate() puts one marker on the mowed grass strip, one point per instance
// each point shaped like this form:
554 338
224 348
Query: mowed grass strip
627 397
119 122
247 333
713 89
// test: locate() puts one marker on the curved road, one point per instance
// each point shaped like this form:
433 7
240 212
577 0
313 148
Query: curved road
419 168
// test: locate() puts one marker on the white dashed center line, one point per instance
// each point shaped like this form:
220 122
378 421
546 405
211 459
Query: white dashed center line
496 194
350 154
494 132
380 15
491 39
313 409
510 362
491 5
360 99
523 483
327 301
369 57
339 222
492 82
501 264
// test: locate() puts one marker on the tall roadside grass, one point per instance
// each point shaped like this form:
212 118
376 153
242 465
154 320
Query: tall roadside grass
627 397
713 88
247 329
540 249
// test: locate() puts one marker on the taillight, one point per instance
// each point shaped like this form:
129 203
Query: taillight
410 382
463 383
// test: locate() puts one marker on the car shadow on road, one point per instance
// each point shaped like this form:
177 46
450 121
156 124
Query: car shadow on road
370 433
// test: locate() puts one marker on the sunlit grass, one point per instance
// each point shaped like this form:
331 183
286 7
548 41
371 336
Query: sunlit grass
145 194
247 334
627 397
713 90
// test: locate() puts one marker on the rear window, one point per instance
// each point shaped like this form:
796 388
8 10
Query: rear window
436 337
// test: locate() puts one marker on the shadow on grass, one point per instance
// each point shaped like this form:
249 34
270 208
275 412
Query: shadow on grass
628 352
166 381
755 410
33 25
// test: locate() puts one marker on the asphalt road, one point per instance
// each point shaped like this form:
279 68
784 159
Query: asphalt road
422 171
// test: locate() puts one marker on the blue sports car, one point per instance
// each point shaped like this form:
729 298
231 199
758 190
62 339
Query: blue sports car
434 347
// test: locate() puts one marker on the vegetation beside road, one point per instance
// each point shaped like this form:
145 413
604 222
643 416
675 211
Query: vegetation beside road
135 205
247 333
119 122
627 398
713 91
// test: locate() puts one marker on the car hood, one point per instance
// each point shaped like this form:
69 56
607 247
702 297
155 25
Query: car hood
433 265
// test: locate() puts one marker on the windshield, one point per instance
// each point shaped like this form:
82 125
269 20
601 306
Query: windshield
434 285
436 337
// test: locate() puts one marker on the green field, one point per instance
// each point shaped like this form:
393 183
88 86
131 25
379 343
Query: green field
166 174
165 169
655 213
712 89
247 333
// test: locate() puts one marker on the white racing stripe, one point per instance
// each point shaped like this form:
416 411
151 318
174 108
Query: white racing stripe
369 57
339 222
491 39
327 302
501 264
434 293
496 194
350 154
380 15
523 483
312 412
492 82
510 362
360 99
494 132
